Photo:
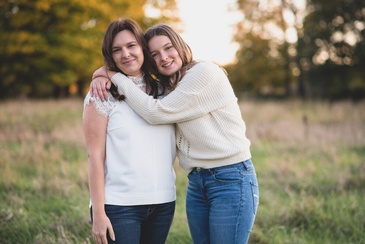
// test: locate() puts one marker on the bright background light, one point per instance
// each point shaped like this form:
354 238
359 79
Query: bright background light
208 28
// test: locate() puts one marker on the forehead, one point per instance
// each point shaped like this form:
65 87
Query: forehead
157 42
123 37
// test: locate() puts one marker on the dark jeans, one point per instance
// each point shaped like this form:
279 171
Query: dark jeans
140 224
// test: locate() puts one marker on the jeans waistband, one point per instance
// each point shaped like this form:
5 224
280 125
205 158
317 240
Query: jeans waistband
245 164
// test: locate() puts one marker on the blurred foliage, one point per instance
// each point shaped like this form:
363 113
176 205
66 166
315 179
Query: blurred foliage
332 48
326 59
51 47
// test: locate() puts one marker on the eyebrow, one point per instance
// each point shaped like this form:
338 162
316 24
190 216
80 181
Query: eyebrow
163 46
168 43
128 43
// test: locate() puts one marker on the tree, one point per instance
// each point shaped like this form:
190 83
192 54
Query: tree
266 25
332 49
258 69
53 46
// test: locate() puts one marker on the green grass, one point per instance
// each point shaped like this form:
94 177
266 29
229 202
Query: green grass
309 158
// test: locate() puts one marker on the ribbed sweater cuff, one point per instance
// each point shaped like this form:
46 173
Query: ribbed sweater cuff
118 79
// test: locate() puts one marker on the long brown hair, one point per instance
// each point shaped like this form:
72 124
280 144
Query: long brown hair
181 47
148 67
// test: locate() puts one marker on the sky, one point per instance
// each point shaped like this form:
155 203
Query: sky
208 28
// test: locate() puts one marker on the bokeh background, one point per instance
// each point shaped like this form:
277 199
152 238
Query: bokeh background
281 48
297 67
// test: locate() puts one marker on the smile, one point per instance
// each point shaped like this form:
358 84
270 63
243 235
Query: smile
128 62
167 65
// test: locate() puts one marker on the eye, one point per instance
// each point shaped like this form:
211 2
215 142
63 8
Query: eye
115 50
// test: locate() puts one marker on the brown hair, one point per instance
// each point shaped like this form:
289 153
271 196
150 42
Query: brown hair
148 67
181 47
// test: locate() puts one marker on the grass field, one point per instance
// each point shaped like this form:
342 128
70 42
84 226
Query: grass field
309 158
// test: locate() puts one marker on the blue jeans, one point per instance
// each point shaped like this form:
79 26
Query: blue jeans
221 203
140 224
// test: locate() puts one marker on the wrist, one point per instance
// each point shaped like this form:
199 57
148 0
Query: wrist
98 211
110 74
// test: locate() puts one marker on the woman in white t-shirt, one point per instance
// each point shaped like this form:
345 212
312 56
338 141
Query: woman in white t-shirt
222 194
131 175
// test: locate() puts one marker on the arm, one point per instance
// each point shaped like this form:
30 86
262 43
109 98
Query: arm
100 83
95 138
203 89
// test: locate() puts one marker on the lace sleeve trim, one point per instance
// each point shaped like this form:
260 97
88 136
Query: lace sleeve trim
104 107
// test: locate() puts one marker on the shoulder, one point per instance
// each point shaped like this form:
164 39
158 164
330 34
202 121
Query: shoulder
206 72
104 107
209 68
204 64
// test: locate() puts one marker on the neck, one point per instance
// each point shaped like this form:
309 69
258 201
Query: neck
139 81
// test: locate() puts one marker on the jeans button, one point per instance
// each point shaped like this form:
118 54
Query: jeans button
198 169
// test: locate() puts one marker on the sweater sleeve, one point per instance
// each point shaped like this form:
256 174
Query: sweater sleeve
203 89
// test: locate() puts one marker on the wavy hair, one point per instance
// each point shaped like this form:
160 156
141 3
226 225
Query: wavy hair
181 47
148 67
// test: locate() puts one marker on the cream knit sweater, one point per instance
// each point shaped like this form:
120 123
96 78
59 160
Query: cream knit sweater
210 131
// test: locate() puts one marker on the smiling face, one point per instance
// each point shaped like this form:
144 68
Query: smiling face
166 57
127 53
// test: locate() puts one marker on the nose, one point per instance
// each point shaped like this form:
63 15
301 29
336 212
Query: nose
164 56
125 54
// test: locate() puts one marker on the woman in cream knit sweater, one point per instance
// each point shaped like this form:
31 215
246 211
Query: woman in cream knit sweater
222 195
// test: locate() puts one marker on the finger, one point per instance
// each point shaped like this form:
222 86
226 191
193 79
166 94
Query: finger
100 90
108 84
105 90
92 89
104 240
107 87
111 232
101 239
96 86
97 239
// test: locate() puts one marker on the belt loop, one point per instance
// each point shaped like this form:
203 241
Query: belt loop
245 165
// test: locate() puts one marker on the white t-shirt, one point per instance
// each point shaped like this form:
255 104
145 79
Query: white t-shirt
139 156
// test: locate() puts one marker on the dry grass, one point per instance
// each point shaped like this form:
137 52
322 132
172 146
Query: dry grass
308 123
309 157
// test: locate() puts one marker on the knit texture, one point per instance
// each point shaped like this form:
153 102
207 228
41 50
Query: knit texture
210 131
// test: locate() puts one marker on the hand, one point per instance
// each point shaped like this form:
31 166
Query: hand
99 87
102 226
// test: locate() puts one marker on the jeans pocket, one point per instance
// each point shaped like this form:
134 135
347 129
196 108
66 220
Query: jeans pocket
228 175
255 195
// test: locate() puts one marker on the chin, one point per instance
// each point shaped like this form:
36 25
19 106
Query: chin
163 72
169 72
